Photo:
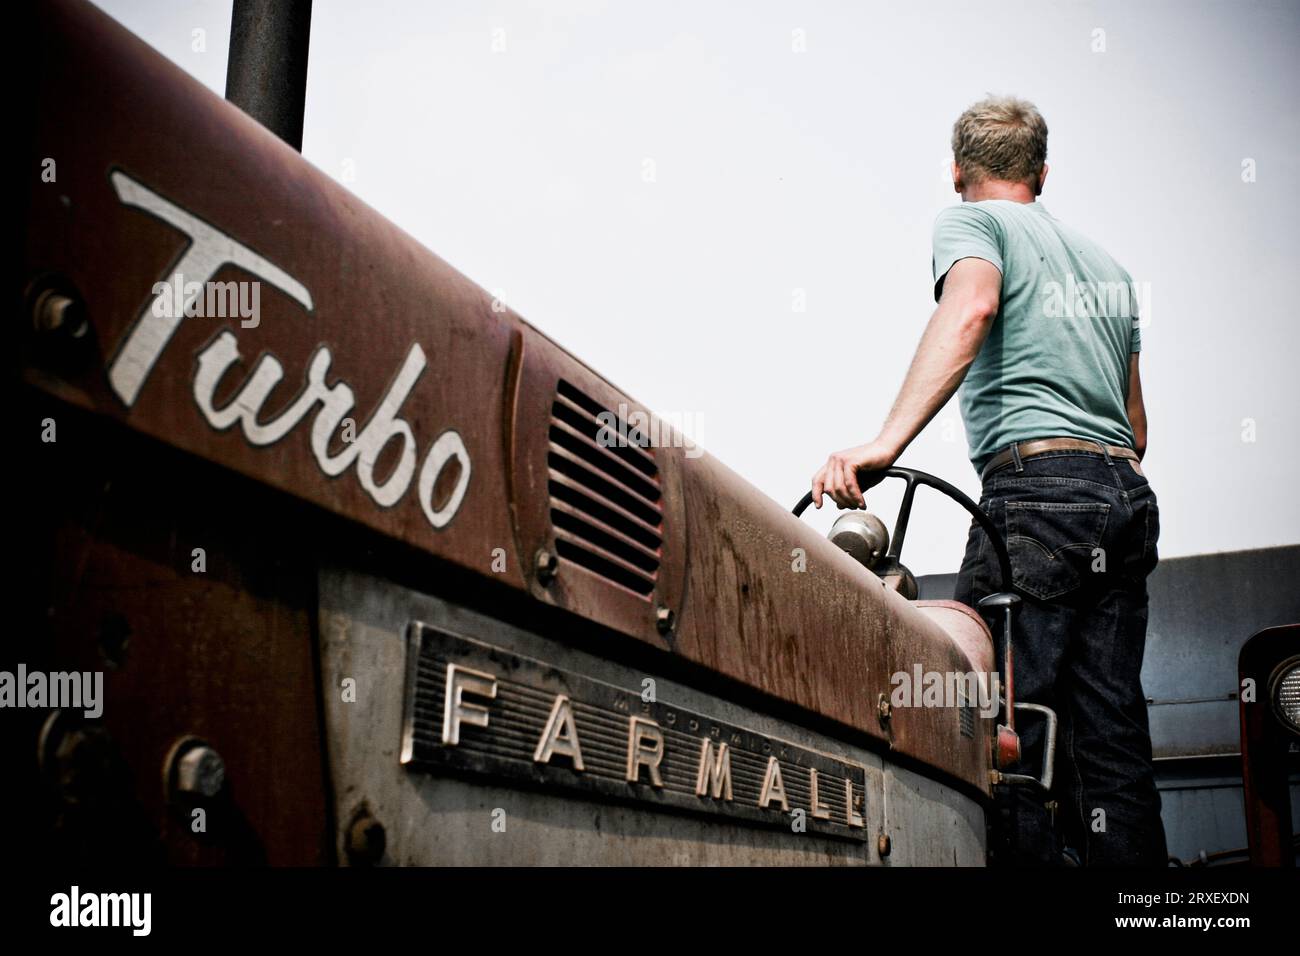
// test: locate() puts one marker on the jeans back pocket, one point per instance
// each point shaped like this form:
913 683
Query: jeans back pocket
1053 544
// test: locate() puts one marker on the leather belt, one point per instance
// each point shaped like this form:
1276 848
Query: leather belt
1041 446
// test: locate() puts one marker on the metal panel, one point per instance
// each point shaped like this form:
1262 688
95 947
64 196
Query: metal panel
151 146
448 818
613 741
1203 609
344 286
149 567
574 587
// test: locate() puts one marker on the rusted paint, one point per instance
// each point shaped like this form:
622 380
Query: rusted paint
223 652
826 639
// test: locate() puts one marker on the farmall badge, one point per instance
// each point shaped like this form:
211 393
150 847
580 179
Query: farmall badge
478 708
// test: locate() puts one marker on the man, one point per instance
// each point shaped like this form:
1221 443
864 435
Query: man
1037 325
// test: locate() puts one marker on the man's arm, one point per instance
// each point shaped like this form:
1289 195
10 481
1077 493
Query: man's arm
1137 412
952 339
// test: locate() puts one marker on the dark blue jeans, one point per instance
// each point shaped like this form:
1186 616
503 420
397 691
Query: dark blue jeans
1081 529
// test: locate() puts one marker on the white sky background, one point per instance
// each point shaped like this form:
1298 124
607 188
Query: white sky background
822 171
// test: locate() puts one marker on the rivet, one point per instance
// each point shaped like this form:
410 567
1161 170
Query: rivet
547 565
367 841
200 772
55 311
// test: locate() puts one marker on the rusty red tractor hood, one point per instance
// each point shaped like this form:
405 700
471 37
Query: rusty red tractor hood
473 431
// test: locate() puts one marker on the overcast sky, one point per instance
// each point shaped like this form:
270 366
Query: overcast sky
661 186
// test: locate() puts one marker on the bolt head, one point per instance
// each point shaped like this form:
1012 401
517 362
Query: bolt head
664 619
367 841
546 564
201 772
883 845
56 312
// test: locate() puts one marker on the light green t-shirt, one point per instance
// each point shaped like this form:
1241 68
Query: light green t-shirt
1056 360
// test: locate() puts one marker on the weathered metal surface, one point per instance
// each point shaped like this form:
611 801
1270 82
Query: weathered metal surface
967 630
465 818
926 827
156 175
536 482
148 567
478 707
266 74
108 104
785 610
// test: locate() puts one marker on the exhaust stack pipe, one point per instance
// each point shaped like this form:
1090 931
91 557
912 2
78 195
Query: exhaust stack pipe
266 75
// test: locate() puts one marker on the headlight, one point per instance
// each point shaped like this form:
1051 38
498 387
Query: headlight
1284 691
862 535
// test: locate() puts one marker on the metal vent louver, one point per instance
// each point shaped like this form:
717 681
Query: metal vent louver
965 714
605 496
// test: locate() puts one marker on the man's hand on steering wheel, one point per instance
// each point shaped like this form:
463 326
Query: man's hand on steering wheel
848 473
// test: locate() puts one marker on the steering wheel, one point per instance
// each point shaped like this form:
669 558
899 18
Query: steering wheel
1007 744
913 478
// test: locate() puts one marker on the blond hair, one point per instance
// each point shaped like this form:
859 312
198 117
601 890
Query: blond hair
1000 137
